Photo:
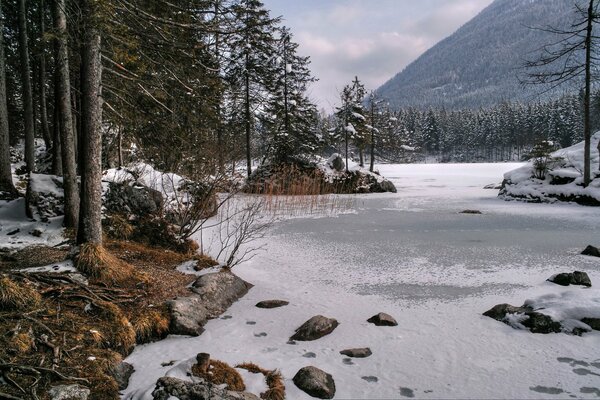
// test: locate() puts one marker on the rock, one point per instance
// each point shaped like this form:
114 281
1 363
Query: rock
315 382
69 392
498 312
382 319
315 328
188 315
168 388
536 322
496 186
336 162
272 303
591 251
571 278
122 372
44 197
132 199
212 295
310 354
370 378
219 291
594 323
357 353
477 212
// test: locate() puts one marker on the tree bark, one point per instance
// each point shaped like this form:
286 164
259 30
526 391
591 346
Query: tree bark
372 163
63 103
6 183
42 75
56 142
27 94
90 216
587 134
247 112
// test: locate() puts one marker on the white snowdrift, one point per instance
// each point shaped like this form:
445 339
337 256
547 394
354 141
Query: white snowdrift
521 184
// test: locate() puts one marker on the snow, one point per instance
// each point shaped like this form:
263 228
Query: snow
57 268
569 164
414 256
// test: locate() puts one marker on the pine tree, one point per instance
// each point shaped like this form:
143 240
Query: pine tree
6 183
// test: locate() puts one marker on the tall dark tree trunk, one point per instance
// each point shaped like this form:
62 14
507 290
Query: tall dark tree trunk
56 142
6 183
27 94
587 131
42 77
65 123
90 216
372 163
247 112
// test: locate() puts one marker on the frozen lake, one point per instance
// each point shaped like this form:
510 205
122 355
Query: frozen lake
412 255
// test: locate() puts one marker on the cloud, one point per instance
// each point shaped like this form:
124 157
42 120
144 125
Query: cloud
373 40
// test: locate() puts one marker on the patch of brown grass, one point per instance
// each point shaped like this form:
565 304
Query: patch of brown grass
204 261
23 342
273 379
38 256
150 324
221 373
98 263
17 296
120 334
118 227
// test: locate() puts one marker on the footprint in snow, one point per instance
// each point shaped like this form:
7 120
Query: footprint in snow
250 322
370 379
347 361
546 390
590 390
262 334
407 392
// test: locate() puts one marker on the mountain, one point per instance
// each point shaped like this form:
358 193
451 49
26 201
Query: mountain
477 66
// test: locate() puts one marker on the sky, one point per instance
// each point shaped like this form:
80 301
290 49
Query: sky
371 39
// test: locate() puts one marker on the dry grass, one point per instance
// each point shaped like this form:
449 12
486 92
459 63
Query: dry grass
97 263
150 324
273 379
118 227
17 296
36 256
221 373
121 336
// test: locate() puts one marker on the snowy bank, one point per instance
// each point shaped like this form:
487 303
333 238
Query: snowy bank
563 180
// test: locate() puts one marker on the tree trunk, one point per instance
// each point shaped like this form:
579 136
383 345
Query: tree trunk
6 183
42 75
63 104
587 131
120 148
27 94
90 216
372 163
247 106
56 145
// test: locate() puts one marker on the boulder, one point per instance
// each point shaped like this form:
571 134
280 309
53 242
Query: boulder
357 353
188 315
212 294
132 199
219 291
122 372
315 328
534 321
593 323
272 303
44 197
315 382
69 392
476 212
336 162
571 278
591 251
382 319
168 388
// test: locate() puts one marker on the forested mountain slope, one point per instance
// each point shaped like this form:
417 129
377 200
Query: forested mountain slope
477 66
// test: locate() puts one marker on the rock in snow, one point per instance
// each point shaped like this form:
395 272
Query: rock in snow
212 295
383 319
315 382
122 372
168 388
357 353
272 303
315 328
523 318
591 251
571 278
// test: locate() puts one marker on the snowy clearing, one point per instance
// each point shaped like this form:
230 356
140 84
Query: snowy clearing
414 256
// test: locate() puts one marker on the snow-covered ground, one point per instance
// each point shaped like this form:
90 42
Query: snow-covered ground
414 256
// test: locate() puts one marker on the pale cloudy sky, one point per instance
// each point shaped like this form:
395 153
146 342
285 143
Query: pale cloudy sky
374 39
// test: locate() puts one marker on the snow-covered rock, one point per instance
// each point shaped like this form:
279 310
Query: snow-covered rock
562 182
69 392
571 278
382 319
44 198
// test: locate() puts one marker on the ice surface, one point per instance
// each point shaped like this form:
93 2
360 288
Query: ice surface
413 255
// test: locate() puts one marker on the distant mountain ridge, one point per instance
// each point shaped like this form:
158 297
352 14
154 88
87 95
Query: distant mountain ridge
477 66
